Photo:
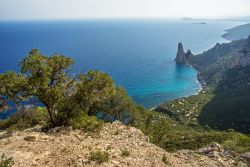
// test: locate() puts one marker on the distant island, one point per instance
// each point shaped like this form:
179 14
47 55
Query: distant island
202 23
240 19
235 33
195 21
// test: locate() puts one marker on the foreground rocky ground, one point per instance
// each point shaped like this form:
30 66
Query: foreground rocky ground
126 146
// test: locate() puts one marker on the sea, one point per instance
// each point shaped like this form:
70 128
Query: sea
137 53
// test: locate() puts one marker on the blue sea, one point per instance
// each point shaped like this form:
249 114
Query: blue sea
138 54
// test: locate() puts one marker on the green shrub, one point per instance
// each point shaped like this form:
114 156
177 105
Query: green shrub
25 118
87 123
236 142
3 124
7 134
125 153
6 161
117 132
99 156
166 159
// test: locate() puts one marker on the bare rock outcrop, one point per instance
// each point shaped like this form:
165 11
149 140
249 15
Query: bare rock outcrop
65 147
246 156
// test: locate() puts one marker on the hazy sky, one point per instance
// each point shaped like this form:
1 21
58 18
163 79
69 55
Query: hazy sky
54 9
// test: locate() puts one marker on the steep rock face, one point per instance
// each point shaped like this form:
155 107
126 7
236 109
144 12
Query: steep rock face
227 55
213 63
181 56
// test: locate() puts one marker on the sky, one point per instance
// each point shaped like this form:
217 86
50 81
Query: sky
77 9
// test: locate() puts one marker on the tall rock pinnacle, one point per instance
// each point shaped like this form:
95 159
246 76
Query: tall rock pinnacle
181 56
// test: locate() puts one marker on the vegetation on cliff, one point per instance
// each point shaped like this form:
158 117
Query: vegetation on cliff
225 101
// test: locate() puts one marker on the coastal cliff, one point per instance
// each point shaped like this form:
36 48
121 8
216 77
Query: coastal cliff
214 63
224 102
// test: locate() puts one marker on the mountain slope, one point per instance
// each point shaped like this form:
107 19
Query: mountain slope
224 102
216 61
124 146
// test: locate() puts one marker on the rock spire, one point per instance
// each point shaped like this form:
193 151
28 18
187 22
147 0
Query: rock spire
181 56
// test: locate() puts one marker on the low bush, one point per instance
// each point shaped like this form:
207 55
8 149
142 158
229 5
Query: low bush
86 123
165 159
27 117
99 156
6 161
125 153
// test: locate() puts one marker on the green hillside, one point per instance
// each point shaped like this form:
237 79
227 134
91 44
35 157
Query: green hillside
224 103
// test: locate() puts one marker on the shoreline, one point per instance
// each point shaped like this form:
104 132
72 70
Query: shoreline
199 79
198 91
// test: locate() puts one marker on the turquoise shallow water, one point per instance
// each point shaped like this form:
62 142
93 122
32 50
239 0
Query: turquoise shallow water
138 54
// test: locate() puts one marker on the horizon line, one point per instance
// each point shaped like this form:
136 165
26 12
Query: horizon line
132 18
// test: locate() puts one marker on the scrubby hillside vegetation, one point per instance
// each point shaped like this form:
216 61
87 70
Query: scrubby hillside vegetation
47 94
224 103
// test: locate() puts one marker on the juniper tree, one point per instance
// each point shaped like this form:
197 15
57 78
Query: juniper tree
47 80
93 89
43 78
